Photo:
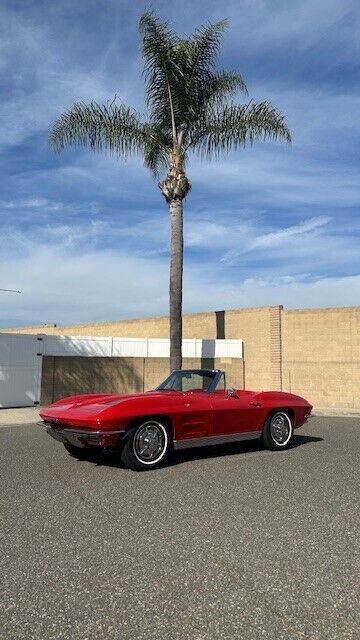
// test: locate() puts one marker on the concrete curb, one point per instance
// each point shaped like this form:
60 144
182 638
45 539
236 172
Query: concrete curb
336 413
18 416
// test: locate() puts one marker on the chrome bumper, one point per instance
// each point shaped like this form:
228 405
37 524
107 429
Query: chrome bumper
77 437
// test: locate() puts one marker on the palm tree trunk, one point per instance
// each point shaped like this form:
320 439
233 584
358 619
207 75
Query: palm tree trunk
176 280
175 188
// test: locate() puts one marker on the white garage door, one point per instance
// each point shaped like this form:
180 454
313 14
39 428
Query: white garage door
20 370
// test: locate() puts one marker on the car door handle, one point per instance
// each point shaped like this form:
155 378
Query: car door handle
256 404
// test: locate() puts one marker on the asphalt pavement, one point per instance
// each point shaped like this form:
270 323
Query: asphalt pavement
231 542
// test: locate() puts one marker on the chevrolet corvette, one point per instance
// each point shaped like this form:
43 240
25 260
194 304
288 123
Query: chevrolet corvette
191 408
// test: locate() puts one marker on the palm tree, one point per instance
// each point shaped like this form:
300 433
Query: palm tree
189 110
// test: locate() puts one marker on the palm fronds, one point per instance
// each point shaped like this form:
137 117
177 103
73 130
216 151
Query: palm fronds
188 103
114 128
157 145
235 126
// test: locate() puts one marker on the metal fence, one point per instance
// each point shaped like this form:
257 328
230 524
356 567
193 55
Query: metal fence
21 357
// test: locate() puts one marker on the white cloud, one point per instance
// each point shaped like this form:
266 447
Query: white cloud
32 203
265 24
278 237
325 250
274 179
67 278
200 232
65 270
43 84
301 22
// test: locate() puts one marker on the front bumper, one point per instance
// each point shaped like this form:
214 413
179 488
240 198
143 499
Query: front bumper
82 437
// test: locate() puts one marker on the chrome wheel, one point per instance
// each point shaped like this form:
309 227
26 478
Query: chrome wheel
150 442
280 429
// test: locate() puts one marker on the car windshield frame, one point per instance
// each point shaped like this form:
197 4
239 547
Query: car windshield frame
215 374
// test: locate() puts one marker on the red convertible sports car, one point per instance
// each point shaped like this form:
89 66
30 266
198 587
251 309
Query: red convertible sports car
191 408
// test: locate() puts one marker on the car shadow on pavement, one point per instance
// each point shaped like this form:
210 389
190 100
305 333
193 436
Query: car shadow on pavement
112 459
232 449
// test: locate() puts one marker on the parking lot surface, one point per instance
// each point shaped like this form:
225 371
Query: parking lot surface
231 542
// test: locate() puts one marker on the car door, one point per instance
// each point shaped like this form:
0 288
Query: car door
234 413
196 415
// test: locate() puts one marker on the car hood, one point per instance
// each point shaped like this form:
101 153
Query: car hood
76 409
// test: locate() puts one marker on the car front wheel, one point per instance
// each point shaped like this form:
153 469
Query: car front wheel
278 431
145 445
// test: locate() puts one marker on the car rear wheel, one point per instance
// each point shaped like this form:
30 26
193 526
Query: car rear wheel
145 445
278 431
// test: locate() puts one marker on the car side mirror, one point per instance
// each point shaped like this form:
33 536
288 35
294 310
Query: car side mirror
231 393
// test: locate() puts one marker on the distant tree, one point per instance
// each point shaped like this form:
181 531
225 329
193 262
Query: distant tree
189 110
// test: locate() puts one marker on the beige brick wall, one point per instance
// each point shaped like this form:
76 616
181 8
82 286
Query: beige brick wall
195 325
71 375
275 348
157 369
321 355
63 376
312 352
253 327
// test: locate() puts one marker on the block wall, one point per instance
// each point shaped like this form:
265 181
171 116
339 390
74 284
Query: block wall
71 375
321 355
311 352
63 376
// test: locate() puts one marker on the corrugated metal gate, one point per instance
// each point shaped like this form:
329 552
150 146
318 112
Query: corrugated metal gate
20 370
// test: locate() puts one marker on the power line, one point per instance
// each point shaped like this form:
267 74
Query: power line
11 290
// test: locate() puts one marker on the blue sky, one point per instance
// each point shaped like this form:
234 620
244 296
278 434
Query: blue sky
85 237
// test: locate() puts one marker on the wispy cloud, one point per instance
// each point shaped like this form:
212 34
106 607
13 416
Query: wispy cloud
280 179
32 203
66 282
278 237
31 60
259 25
270 224
302 22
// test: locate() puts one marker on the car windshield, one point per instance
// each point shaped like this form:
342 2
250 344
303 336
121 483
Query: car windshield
190 380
